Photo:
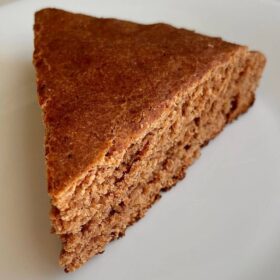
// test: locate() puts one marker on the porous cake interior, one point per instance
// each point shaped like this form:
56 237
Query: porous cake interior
119 190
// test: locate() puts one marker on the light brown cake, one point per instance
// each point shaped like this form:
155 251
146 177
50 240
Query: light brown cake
127 107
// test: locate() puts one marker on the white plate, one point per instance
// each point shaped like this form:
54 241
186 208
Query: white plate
221 222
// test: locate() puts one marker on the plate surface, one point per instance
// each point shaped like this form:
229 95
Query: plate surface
221 222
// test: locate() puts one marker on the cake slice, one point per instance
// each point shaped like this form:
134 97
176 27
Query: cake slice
127 108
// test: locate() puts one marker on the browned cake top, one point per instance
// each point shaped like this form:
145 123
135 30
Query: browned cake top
102 81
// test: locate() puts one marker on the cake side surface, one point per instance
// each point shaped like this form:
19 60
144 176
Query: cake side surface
164 154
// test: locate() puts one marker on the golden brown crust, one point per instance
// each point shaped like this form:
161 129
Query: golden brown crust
101 82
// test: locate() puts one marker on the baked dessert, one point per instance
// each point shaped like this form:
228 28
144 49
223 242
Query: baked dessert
127 108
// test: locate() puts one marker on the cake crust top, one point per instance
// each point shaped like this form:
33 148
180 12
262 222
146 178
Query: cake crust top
102 82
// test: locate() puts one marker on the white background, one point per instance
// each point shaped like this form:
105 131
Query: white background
221 222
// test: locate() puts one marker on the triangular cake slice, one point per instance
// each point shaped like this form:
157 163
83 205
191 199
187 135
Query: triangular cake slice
127 107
